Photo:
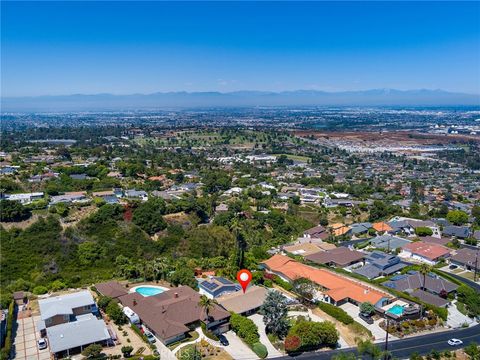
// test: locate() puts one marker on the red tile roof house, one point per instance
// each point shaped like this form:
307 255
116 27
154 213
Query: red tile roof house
336 289
424 252
172 314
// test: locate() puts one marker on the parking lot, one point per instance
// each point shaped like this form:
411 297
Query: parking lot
25 343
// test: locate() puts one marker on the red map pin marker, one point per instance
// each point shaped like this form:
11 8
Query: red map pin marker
244 277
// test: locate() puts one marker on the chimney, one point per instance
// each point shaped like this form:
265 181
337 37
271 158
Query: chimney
365 291
175 295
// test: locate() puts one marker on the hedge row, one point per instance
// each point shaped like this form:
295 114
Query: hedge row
139 333
336 312
7 348
245 328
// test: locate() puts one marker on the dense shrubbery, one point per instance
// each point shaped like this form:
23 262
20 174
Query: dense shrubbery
470 298
13 211
7 347
245 328
115 313
336 312
148 216
312 335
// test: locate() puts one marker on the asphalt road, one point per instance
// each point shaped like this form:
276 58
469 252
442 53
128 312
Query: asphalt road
403 348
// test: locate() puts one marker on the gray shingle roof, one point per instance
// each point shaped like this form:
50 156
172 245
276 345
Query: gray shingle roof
382 242
61 305
86 330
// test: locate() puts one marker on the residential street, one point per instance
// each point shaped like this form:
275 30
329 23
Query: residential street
405 347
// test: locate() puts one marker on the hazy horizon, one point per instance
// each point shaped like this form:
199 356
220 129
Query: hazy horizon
64 48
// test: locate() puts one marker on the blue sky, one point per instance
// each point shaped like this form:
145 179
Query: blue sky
51 48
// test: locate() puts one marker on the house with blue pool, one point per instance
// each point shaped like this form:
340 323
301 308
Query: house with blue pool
216 286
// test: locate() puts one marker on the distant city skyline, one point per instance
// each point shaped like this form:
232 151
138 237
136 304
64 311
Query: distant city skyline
67 48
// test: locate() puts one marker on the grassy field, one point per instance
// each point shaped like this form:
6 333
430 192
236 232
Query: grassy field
211 137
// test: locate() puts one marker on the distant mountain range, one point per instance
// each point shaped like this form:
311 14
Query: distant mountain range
165 100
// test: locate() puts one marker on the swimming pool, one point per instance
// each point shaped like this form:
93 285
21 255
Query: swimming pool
148 290
396 310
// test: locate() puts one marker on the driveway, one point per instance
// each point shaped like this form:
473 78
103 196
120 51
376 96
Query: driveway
237 348
25 342
456 319
258 320
378 333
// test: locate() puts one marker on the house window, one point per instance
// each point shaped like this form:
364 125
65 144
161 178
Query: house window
87 307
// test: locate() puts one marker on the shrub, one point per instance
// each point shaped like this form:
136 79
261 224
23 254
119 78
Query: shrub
139 333
423 231
292 343
115 313
103 302
92 351
126 350
40 290
260 350
284 284
315 334
7 348
208 333
245 328
336 312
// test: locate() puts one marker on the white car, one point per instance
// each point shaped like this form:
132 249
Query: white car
42 344
455 342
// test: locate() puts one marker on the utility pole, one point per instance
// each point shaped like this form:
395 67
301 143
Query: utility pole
386 357
476 265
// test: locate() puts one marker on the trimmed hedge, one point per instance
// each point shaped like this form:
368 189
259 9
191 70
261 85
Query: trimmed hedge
245 328
284 284
7 348
336 312
139 333
260 350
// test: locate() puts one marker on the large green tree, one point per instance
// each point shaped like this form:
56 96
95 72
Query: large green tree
274 310
12 211
148 216
457 217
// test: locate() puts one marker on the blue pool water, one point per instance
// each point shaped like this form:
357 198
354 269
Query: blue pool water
148 290
396 310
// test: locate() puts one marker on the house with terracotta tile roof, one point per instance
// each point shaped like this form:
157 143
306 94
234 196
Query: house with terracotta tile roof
429 253
339 229
381 227
334 288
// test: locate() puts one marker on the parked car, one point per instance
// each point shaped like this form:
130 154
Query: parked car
151 339
223 340
455 342
366 317
42 343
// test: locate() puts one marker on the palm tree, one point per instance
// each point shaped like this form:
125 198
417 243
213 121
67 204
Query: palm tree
207 305
424 270
160 267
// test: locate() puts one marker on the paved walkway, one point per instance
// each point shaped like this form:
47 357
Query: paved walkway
258 320
456 319
25 342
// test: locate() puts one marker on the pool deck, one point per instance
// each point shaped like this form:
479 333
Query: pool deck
157 287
